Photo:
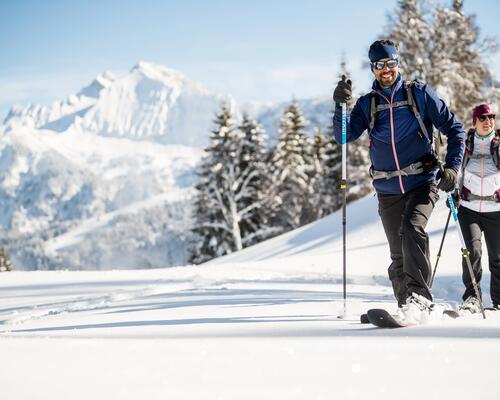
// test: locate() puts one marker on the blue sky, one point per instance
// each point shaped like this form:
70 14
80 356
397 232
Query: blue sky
257 51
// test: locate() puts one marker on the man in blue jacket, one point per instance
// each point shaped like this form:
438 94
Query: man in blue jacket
399 117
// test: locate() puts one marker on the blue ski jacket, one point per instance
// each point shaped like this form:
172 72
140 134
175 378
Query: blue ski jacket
396 140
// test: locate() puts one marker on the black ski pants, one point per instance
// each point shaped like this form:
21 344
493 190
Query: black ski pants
473 225
404 217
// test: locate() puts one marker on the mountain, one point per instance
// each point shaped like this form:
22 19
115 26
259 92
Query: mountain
151 103
104 179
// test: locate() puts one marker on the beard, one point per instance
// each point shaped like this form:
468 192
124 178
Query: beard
387 79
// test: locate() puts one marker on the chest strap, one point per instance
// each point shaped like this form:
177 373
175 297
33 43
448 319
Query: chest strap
478 156
465 194
412 169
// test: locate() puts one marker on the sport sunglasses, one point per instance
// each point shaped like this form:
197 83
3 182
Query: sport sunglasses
381 64
482 118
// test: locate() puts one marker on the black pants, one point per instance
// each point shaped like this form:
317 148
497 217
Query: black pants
404 217
473 225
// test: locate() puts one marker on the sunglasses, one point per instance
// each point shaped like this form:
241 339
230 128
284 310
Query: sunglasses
381 64
482 118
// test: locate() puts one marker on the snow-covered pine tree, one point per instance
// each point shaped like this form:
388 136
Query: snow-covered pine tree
5 264
458 71
255 221
410 29
443 49
231 193
359 182
216 229
290 165
326 176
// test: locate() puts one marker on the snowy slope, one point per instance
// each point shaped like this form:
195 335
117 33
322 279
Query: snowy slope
79 200
261 323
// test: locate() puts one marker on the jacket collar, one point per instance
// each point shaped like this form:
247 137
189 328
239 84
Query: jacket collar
388 91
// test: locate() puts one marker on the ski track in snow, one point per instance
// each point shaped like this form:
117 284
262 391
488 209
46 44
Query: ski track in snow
262 323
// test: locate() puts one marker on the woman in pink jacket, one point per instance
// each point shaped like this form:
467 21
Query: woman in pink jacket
479 212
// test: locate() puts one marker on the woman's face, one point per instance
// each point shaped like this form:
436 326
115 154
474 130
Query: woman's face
485 124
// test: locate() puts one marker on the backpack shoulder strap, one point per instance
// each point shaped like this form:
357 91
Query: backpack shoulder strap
409 87
373 110
469 147
494 148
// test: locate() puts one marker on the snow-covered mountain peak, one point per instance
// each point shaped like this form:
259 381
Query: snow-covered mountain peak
101 82
157 71
167 76
151 102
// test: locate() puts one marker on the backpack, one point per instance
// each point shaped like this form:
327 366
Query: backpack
469 148
465 194
429 161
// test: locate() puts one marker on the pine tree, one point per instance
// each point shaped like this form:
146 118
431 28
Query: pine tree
230 205
444 50
5 264
410 29
359 182
327 161
255 223
458 71
332 175
217 228
291 162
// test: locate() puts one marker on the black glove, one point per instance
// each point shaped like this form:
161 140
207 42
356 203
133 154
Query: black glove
448 179
343 91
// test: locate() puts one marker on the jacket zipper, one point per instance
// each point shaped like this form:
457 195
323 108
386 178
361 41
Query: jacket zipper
393 143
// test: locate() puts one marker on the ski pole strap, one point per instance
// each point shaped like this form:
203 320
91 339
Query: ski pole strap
412 169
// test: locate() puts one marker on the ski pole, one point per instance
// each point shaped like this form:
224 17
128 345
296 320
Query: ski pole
465 253
343 187
440 248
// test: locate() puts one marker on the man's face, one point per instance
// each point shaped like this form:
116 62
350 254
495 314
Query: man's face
386 76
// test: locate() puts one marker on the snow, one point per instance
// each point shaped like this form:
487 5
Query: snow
261 323
82 198
66 170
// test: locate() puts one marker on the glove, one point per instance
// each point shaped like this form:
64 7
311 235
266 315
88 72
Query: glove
448 179
343 91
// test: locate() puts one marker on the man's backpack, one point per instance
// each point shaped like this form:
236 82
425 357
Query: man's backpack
430 161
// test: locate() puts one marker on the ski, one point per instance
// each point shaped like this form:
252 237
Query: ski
383 319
